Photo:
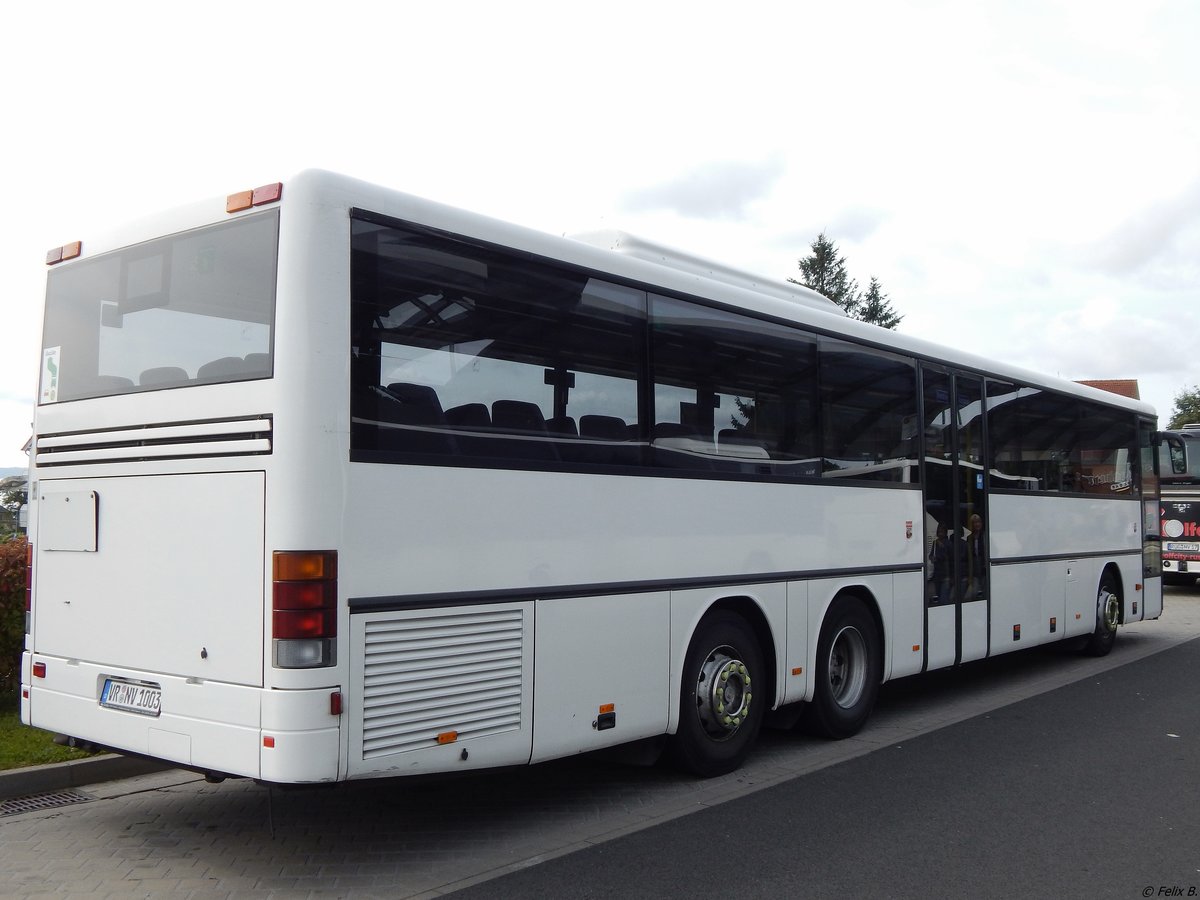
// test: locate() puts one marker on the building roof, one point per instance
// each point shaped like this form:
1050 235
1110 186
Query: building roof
1126 387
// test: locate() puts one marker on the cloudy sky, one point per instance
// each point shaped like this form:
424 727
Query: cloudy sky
1022 177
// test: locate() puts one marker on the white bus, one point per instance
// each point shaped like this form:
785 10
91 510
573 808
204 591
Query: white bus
331 482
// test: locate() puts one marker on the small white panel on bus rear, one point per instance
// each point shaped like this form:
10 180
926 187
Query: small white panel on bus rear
67 521
440 690
602 672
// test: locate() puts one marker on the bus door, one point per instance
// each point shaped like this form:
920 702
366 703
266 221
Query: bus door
954 480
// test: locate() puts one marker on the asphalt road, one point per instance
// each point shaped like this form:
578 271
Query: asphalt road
1091 790
1035 774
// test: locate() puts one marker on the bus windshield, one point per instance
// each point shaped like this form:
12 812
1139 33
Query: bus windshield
193 308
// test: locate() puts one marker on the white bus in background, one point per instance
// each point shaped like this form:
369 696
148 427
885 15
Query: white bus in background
332 482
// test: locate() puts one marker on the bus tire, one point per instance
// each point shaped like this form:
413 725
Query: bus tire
1108 617
848 672
719 716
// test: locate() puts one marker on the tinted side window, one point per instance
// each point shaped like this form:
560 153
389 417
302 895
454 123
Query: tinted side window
732 393
1107 450
466 351
868 413
1035 438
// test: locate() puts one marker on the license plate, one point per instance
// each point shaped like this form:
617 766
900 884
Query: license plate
132 696
1183 546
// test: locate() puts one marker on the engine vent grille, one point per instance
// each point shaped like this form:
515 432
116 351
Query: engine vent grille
450 672
230 437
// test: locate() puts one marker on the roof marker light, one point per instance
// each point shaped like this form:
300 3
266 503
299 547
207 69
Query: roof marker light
260 196
65 252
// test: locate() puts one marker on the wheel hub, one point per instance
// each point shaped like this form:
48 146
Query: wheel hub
847 666
1108 609
723 693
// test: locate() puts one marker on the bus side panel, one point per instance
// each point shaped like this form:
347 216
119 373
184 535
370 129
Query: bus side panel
600 655
1025 597
795 670
1046 565
440 690
1153 594
904 629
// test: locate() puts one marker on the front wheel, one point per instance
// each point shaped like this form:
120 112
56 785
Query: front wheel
719 714
1108 616
849 667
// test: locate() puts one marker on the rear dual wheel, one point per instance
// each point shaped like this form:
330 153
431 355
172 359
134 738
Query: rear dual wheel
849 669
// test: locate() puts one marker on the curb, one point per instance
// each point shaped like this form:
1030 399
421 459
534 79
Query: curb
76 773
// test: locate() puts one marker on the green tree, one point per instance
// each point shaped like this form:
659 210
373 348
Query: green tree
12 498
876 308
1187 408
824 270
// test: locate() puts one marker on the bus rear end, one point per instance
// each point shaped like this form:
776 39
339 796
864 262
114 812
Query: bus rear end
153 625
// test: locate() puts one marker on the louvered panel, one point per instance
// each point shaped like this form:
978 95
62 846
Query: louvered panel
146 442
430 674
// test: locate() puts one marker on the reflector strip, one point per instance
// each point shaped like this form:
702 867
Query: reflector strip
447 737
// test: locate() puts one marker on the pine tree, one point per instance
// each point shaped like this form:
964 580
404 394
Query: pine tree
824 270
876 308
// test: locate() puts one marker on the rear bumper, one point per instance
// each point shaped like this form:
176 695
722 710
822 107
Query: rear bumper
208 726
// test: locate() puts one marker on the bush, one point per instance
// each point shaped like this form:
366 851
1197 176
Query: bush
12 611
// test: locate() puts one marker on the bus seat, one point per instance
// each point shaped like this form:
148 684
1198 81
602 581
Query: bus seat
112 384
221 368
604 428
418 407
163 375
469 415
258 363
522 417
468 419
608 441
562 425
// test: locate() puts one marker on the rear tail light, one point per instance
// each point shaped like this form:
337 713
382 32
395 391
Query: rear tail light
304 609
